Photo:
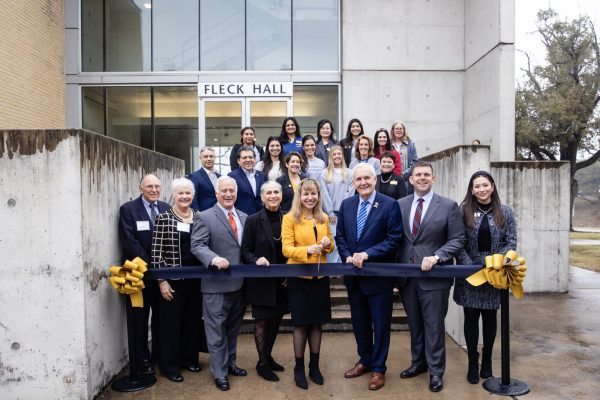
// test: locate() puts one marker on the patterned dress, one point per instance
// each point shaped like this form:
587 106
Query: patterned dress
484 297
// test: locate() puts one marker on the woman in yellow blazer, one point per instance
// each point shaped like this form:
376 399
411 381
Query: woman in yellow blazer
306 239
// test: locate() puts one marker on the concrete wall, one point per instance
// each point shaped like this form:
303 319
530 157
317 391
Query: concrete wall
538 192
446 68
489 106
62 328
32 51
405 63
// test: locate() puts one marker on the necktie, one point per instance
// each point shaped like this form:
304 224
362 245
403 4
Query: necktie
233 224
417 218
362 217
153 212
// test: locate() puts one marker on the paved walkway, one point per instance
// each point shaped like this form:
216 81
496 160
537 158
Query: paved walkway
555 346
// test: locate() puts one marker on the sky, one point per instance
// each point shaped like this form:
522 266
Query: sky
525 17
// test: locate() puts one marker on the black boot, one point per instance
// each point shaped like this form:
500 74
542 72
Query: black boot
486 363
313 369
299 374
472 373
263 369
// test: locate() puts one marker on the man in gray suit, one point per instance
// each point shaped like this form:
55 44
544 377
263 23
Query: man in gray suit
433 236
216 238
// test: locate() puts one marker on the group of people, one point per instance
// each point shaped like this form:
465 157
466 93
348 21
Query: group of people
321 202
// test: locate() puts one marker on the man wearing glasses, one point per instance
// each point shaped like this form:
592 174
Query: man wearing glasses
248 181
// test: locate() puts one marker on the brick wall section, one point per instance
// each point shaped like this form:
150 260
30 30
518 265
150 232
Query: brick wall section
32 53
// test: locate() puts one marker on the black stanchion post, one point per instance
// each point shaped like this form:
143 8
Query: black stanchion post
505 386
134 381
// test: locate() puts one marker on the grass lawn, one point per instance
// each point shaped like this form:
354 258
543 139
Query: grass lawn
585 235
587 257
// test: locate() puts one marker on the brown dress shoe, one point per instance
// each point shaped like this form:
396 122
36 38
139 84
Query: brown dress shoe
357 370
377 381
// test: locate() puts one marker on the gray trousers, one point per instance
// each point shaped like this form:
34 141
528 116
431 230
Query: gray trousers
425 312
223 314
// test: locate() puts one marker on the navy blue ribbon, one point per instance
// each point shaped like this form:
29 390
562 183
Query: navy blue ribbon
331 269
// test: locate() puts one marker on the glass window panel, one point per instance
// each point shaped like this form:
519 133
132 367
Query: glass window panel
223 122
128 35
316 35
92 109
269 30
313 103
175 35
222 37
266 117
176 123
129 115
91 35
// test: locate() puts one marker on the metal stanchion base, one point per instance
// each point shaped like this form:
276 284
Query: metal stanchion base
126 384
514 388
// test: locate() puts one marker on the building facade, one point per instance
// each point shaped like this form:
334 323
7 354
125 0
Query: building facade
173 76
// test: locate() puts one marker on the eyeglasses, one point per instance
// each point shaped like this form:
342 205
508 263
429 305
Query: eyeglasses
381 130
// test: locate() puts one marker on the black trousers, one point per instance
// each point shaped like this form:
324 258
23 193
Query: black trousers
180 322
140 322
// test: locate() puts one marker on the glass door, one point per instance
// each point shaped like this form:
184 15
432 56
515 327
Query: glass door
221 120
266 116
220 125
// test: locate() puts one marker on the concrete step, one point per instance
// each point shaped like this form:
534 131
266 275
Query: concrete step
340 321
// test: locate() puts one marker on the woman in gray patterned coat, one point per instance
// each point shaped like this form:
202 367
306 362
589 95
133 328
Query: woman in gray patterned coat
490 229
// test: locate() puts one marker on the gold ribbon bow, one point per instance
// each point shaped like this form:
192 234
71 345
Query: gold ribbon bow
128 280
502 272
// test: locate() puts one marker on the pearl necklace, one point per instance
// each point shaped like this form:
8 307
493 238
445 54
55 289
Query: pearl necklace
188 215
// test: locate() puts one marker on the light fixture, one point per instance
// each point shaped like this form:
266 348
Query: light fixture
148 5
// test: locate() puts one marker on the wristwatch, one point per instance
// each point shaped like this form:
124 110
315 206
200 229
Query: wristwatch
437 258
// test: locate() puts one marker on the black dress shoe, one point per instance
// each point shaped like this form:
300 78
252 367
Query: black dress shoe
413 371
144 367
174 377
222 383
192 367
237 371
436 383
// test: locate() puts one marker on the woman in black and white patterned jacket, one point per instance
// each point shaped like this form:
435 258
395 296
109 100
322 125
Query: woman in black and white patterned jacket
490 229
180 305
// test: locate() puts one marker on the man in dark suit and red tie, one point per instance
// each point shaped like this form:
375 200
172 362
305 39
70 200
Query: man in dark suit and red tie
369 228
248 182
433 235
205 181
136 224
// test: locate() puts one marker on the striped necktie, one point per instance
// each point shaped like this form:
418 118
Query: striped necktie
417 218
153 212
233 224
362 217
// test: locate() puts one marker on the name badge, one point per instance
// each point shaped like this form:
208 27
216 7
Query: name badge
143 225
393 182
183 227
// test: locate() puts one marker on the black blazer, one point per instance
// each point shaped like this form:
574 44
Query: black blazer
394 190
347 146
257 241
234 151
134 242
287 191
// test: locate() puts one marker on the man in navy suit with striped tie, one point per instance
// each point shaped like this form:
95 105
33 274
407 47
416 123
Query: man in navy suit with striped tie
369 228
136 224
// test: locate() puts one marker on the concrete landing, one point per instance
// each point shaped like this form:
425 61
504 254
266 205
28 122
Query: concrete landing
555 346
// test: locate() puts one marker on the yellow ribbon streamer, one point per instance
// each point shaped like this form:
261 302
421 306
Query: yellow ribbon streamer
502 272
128 279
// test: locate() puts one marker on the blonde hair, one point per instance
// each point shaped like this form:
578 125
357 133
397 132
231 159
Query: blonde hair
330 167
296 210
